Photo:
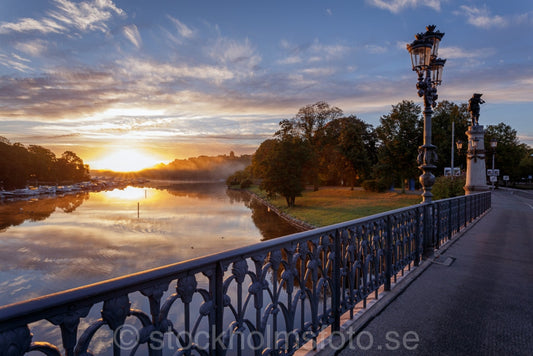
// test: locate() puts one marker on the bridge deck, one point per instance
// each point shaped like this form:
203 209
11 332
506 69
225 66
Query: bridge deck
480 304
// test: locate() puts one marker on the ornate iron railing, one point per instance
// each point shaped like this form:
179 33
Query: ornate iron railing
268 298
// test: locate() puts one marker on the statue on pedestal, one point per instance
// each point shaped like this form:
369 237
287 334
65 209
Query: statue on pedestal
473 108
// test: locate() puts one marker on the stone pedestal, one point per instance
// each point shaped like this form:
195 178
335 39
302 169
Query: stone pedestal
476 180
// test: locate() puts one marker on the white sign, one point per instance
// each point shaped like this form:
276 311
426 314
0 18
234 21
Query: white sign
496 172
448 171
489 172
493 178
505 177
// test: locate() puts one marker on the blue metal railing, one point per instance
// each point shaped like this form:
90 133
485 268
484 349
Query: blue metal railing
267 298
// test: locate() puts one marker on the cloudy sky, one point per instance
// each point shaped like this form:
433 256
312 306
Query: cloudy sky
181 78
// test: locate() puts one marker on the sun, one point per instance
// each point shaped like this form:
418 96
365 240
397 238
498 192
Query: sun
125 160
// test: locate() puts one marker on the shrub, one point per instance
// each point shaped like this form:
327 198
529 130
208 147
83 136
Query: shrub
374 185
246 183
240 178
448 187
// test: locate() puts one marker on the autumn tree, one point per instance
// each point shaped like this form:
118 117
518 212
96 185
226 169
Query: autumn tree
279 163
42 162
21 165
308 125
348 150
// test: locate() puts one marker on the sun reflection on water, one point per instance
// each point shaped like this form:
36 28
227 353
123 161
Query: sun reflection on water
128 193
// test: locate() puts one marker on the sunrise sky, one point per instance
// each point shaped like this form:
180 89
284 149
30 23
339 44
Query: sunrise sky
173 79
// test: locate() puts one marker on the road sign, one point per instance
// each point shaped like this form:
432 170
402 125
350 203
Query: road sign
489 172
506 178
493 178
496 172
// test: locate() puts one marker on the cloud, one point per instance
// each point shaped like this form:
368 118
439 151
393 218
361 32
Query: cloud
396 6
525 18
375 49
328 52
184 30
318 71
155 72
314 52
241 56
481 17
67 15
15 61
290 60
132 34
86 15
457 52
28 24
34 47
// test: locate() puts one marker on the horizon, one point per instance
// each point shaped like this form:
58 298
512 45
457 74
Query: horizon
102 78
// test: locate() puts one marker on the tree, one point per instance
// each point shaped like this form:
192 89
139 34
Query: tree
42 161
14 165
279 163
509 151
526 165
348 150
308 125
20 166
70 167
399 135
446 113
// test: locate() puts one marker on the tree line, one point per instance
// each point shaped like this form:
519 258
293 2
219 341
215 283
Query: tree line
21 166
322 146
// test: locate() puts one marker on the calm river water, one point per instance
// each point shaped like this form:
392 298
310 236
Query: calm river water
52 244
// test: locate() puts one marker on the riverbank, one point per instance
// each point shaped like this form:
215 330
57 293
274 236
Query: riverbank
331 205
290 219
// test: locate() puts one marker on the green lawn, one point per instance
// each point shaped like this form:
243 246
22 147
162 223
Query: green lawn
330 205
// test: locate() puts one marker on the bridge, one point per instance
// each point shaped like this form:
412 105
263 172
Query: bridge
307 293
476 298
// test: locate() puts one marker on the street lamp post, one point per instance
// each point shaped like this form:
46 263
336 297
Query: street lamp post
425 61
493 144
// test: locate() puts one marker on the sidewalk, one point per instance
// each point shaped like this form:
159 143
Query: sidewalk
481 304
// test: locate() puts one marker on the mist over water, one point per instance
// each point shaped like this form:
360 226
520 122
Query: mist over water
52 244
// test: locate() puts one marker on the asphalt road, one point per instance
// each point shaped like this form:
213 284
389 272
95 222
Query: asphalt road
482 304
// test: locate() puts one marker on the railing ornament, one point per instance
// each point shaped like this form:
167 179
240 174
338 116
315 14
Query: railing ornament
15 342
239 270
115 311
186 288
68 323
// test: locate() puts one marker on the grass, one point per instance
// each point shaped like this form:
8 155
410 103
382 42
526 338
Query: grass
331 205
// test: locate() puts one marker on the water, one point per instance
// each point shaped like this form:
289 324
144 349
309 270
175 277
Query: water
52 244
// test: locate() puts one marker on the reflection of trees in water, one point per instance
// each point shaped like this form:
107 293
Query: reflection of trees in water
268 222
15 213
198 190
238 196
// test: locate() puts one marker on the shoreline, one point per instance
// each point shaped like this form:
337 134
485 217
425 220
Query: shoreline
290 219
94 185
